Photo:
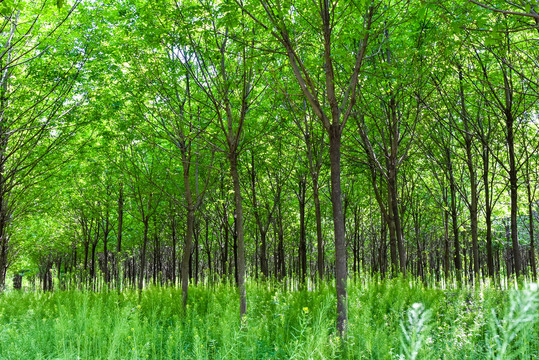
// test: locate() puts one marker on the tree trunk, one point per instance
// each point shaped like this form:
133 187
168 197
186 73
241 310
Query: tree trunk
196 234
142 269
392 234
92 264
187 248
281 267
454 217
208 249
338 226
174 240
488 210
156 253
17 281
508 253
446 244
224 259
392 186
392 180
383 246
319 239
302 233
120 232
531 225
106 230
513 182
473 181
233 159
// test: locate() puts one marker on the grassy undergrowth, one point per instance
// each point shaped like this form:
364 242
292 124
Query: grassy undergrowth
388 320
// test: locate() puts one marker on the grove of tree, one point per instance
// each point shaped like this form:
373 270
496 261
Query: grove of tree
178 142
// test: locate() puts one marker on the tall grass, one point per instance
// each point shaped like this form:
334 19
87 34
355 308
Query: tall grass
393 319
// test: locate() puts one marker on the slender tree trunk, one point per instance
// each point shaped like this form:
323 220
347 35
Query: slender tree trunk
120 232
106 257
488 210
392 235
281 267
225 250
531 225
420 264
392 181
142 266
446 244
156 253
208 249
86 234
233 158
397 223
174 240
508 253
92 264
187 248
341 272
319 239
473 181
235 251
454 217
196 251
106 231
263 254
302 231
513 182
383 245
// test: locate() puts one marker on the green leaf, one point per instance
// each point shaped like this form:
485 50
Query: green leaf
60 3
6 7
422 12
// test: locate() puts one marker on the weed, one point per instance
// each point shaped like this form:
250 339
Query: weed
390 319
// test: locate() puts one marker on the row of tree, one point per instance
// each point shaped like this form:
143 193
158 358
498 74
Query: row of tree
179 141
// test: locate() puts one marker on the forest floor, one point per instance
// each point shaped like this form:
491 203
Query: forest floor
392 319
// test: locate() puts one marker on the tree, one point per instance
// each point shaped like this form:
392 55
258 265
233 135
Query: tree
508 97
32 122
284 22
220 62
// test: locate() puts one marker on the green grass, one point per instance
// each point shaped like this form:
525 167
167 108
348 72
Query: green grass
393 319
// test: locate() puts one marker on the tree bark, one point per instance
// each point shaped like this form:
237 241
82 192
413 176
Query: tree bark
92 263
454 217
120 233
302 232
224 260
174 241
488 209
513 182
392 183
142 266
106 231
382 250
473 181
341 272
392 234
190 228
319 239
531 229
233 159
